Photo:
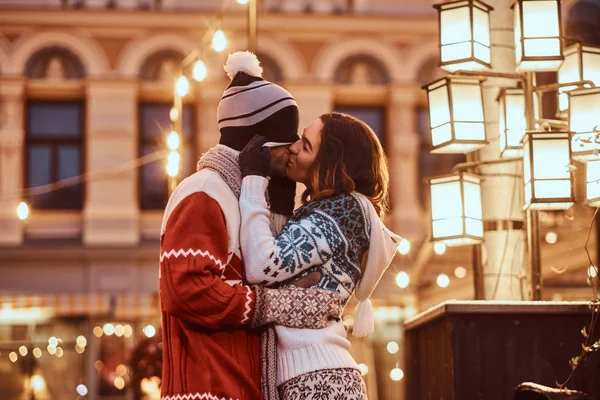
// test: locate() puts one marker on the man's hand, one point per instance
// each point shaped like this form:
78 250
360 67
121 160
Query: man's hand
296 308
255 159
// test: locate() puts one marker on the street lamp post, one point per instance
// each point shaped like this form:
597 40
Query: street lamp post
252 25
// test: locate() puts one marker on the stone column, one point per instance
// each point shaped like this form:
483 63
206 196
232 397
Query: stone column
403 157
313 100
12 137
111 210
503 253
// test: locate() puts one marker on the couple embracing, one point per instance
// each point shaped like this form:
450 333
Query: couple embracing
251 291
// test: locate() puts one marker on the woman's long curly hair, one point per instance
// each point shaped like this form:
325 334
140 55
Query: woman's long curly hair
350 158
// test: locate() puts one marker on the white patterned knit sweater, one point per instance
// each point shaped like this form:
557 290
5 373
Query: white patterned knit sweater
330 236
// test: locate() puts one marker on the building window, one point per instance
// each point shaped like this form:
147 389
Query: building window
361 69
154 127
372 116
55 152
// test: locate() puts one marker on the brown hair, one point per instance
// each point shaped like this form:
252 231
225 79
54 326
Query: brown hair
350 158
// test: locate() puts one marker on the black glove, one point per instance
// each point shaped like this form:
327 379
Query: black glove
255 159
282 195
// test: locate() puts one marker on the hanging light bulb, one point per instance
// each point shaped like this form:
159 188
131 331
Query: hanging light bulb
199 71
242 2
173 164
182 87
22 211
219 41
174 114
404 246
173 140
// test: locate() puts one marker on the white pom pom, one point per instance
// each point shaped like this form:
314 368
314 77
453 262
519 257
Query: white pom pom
243 61
364 319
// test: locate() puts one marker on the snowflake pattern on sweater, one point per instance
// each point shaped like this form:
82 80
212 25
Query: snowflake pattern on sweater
333 230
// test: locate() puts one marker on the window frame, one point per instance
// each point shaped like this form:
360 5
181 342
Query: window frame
55 144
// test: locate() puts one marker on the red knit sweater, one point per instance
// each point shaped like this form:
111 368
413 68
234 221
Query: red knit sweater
209 350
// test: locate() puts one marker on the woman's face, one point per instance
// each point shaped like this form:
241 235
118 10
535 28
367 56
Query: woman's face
303 153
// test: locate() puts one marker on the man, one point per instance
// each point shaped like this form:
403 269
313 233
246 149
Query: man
210 347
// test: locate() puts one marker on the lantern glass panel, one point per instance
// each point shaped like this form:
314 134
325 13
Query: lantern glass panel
527 172
473 211
584 121
592 172
446 208
569 71
467 109
455 33
481 35
591 64
540 19
511 122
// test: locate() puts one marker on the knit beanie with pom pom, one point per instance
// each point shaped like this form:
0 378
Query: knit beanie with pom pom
253 106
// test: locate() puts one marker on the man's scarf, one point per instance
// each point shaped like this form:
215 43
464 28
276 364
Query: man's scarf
224 161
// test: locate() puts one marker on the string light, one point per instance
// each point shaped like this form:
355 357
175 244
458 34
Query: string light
219 41
98 331
119 330
149 331
174 114
37 383
128 330
13 356
23 211
402 279
404 246
439 248
396 374
364 369
53 341
119 383
392 347
173 140
551 237
51 349
460 272
242 2
200 71
173 164
182 87
82 390
59 352
443 280
37 353
109 329
81 341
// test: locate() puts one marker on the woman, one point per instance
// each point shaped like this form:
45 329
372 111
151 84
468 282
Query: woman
337 234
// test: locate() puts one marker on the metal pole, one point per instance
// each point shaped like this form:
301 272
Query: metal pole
533 231
252 25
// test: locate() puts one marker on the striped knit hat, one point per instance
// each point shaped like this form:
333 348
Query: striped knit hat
253 106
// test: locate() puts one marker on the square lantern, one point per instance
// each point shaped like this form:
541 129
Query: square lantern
581 63
584 122
537 26
464 35
546 171
592 186
456 211
511 121
456 115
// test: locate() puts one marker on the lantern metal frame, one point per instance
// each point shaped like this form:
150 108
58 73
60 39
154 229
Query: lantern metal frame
534 203
459 4
525 58
459 177
593 135
449 81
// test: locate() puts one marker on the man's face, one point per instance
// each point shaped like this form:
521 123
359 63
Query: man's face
279 159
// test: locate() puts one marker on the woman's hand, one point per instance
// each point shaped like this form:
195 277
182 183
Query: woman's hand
255 159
